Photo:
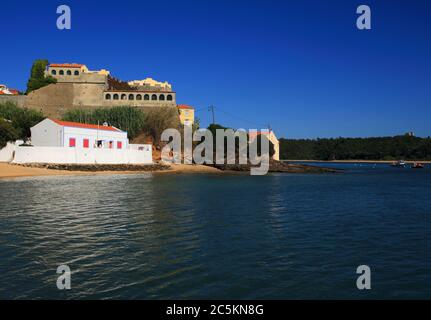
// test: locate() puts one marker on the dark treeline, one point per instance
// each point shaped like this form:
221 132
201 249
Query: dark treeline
384 148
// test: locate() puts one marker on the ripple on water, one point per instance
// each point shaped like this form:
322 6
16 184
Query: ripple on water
160 237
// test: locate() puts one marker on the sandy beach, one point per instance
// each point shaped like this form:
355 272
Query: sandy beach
15 171
186 168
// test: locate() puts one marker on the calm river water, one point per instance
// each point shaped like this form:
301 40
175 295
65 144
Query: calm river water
218 236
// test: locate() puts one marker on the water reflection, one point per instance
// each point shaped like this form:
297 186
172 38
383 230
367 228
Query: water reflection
196 236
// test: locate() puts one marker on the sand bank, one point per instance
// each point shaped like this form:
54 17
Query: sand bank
15 171
33 170
186 168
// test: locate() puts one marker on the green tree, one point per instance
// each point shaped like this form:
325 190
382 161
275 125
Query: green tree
7 133
196 124
21 119
37 76
213 128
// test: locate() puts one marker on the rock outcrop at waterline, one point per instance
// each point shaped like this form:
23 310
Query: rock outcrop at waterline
100 167
278 166
275 166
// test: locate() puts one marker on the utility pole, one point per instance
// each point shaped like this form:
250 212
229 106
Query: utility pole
211 108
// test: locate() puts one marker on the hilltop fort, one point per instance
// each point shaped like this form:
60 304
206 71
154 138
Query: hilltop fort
78 87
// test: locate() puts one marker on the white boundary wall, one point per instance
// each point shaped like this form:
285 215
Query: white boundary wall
66 155
6 154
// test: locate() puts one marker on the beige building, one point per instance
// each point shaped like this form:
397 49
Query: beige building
150 82
187 114
271 137
75 73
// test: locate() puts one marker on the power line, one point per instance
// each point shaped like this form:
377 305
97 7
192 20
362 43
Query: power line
200 109
212 108
242 119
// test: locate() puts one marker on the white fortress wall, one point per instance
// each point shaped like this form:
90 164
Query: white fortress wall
60 155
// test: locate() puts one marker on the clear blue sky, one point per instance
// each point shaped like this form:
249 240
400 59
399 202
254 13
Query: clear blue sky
301 66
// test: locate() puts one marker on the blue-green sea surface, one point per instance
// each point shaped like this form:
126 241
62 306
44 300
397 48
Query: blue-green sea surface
280 236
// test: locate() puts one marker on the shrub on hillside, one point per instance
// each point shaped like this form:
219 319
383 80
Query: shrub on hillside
129 119
159 119
116 84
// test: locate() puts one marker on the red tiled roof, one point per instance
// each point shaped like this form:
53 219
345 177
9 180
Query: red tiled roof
66 65
84 125
184 106
13 92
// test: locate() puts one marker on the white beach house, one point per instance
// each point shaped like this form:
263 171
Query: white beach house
56 141
56 133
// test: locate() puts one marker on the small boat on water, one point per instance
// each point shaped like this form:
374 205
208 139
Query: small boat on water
417 165
399 164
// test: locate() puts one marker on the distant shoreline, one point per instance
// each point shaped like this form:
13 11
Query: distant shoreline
357 161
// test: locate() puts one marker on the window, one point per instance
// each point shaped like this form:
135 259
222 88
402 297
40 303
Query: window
154 97
76 73
69 73
162 97
86 143
53 72
61 73
131 97
108 97
123 96
147 97
115 96
72 142
119 145
169 97
138 97
111 144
